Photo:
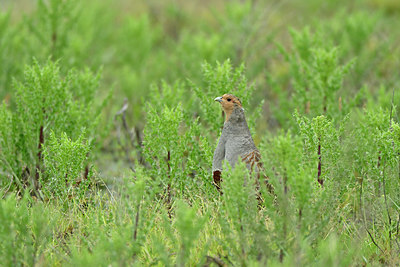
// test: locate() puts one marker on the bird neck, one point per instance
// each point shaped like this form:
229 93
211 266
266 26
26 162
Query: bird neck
235 112
236 121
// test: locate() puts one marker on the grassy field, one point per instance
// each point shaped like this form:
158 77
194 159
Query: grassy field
108 128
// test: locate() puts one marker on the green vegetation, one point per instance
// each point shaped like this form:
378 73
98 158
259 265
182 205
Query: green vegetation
108 128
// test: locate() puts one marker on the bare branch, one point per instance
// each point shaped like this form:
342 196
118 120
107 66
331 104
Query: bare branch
128 134
136 221
373 240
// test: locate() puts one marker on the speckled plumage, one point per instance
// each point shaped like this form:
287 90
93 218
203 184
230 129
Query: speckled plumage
235 141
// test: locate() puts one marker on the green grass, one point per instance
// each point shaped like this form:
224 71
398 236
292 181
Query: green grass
108 127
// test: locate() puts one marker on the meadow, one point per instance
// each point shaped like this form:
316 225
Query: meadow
108 126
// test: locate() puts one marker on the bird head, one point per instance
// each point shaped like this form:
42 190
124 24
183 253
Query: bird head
229 103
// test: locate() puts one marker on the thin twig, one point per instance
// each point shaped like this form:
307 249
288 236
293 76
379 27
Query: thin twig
139 147
169 205
397 231
391 110
128 134
320 180
108 189
373 241
6 191
215 260
39 162
386 205
53 44
364 220
383 174
136 221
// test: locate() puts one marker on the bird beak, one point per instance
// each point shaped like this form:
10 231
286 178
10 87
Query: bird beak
219 99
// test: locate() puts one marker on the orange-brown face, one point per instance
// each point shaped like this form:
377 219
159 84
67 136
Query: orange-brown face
228 103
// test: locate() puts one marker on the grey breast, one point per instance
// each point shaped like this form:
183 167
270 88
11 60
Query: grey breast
237 136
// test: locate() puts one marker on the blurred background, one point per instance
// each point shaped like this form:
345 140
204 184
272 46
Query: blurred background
108 129
139 45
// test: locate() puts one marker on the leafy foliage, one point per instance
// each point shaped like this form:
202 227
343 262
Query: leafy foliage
65 162
46 104
25 231
318 82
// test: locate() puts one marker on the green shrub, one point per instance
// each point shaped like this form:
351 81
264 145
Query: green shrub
317 75
334 70
51 27
25 231
244 233
11 53
188 231
46 102
173 149
66 167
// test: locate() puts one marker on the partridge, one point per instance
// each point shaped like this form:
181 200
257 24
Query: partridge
235 141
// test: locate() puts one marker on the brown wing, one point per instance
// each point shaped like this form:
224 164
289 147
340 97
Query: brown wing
253 161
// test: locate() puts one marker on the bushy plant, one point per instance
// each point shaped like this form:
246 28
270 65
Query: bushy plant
133 216
244 232
188 230
321 143
46 103
173 149
52 25
317 74
25 230
323 105
10 54
67 171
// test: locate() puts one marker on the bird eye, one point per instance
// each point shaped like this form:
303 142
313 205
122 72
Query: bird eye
229 99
